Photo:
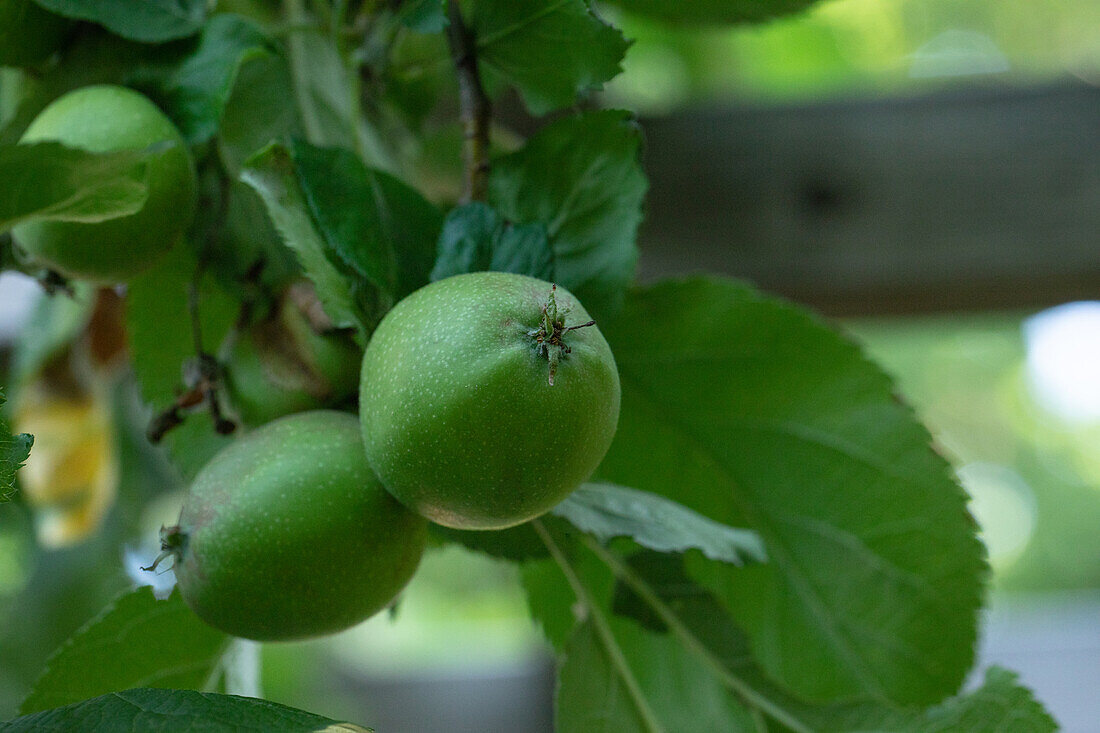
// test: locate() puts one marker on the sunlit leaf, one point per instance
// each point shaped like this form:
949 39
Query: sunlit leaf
752 413
607 511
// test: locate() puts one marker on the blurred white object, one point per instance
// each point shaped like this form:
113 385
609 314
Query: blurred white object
161 512
1004 506
240 667
1063 361
162 579
958 53
18 294
1053 641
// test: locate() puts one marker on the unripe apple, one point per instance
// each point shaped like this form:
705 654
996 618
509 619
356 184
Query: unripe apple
486 399
285 364
101 119
287 533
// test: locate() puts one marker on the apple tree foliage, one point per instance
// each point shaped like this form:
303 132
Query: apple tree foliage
771 542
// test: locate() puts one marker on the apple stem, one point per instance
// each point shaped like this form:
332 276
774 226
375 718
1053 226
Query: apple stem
172 541
550 335
202 376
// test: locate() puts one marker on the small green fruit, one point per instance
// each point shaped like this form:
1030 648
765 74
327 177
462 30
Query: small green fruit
282 365
28 34
287 533
487 398
103 119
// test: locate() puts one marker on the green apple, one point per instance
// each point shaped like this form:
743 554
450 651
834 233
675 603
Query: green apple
487 398
288 534
100 119
283 364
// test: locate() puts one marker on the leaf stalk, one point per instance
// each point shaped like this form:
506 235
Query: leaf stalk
603 630
751 697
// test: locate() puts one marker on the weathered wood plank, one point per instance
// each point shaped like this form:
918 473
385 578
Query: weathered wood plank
968 199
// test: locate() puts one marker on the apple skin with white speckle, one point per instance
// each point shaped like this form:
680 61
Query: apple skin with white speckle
288 534
460 419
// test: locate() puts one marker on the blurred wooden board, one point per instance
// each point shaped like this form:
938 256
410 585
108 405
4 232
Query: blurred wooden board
960 200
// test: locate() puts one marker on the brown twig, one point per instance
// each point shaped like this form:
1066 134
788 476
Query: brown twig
202 374
476 111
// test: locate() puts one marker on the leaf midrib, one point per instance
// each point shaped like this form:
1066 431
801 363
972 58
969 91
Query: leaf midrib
776 550
490 38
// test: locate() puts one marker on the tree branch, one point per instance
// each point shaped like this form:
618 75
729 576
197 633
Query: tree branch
476 111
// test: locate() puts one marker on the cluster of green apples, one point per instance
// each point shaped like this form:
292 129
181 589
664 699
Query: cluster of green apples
484 400
316 520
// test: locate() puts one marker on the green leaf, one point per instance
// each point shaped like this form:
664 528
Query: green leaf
165 711
515 543
365 238
607 511
675 692
423 16
271 173
581 177
149 21
260 109
714 11
380 227
1000 705
19 48
653 590
667 580
475 238
248 237
614 675
675 604
92 56
50 181
324 91
158 322
195 94
551 597
337 189
137 640
549 51
321 85
752 413
14 450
